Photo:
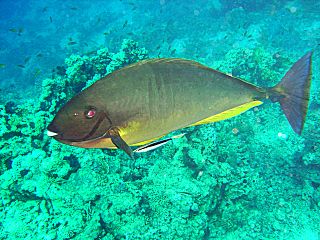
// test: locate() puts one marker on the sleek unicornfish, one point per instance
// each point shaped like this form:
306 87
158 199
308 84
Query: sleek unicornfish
143 102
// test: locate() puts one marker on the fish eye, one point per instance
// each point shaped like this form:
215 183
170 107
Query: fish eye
90 113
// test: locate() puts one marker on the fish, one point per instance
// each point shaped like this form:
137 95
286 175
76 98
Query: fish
27 59
21 66
19 31
125 24
154 145
37 72
91 52
142 102
72 43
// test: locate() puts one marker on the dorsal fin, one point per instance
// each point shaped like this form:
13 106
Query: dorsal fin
167 60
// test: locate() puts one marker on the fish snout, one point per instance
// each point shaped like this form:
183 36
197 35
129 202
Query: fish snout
51 134
52 131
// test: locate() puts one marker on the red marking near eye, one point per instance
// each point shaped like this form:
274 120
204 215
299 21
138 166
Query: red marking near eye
91 113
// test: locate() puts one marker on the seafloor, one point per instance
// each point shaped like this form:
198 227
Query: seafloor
250 177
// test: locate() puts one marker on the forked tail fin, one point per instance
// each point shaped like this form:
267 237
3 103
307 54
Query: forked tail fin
293 92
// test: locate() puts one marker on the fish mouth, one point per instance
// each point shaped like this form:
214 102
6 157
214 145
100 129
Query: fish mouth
53 131
51 134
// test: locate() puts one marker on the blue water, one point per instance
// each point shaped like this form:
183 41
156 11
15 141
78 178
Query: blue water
249 177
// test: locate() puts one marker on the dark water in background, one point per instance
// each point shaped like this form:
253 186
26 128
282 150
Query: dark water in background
249 177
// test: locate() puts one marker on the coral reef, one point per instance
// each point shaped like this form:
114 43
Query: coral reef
224 179
249 177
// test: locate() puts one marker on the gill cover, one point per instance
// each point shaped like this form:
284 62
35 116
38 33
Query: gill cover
78 121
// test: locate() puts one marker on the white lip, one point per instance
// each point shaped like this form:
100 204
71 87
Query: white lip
51 134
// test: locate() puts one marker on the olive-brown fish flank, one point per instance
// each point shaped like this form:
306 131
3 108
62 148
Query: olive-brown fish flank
151 98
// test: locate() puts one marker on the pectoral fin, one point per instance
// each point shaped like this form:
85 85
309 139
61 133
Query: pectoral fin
120 143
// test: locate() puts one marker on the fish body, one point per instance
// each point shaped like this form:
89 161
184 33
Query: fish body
149 99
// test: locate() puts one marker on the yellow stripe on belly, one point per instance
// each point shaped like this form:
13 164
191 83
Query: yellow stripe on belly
229 113
132 127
